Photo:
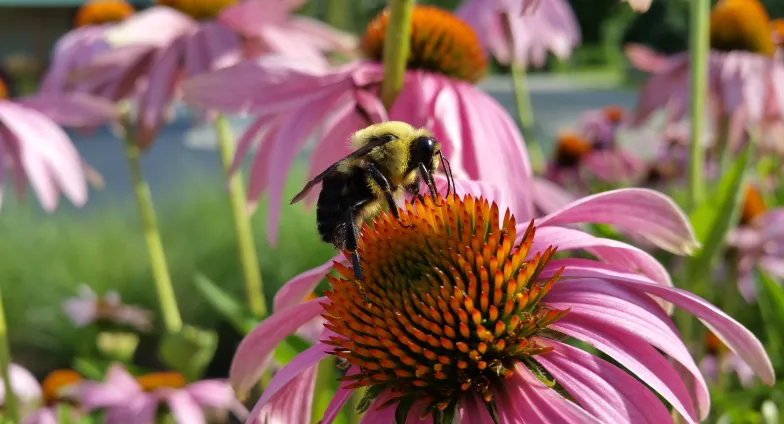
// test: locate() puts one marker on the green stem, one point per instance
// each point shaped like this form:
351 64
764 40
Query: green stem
525 113
397 43
160 271
699 38
11 404
254 287
339 14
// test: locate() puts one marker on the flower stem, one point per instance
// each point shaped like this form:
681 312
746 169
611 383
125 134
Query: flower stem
397 43
525 113
160 271
254 287
11 405
699 43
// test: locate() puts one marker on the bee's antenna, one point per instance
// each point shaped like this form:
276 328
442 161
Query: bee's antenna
450 179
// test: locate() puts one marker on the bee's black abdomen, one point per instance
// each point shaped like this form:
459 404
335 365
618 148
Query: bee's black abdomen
340 192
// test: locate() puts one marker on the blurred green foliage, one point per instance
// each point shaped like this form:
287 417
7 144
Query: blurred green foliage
45 257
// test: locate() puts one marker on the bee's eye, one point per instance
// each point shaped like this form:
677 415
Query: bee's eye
388 138
423 148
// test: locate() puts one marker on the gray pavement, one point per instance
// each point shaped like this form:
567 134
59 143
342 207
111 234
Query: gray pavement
184 154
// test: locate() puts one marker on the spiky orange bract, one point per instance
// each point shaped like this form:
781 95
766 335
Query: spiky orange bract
198 9
453 303
570 149
741 25
440 42
98 12
753 205
158 380
58 380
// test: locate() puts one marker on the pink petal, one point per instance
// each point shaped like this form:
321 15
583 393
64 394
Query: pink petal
736 337
248 17
41 416
247 140
293 134
294 291
334 145
184 409
118 389
326 37
638 211
549 197
644 58
292 404
526 399
80 311
604 390
640 358
211 393
635 315
159 91
473 410
74 109
300 392
374 415
254 352
24 385
257 180
340 398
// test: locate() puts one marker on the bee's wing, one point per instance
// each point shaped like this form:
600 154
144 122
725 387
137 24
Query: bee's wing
362 151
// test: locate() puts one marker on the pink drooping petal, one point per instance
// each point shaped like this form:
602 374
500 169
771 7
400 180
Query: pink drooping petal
294 291
642 212
80 311
71 52
633 314
550 197
292 404
41 416
118 389
293 134
249 17
639 358
324 37
257 180
334 145
644 58
340 398
219 47
473 410
526 399
254 352
183 408
211 393
247 140
73 109
736 337
23 384
604 390
287 380
158 92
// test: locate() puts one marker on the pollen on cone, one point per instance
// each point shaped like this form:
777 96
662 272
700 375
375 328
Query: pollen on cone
198 9
437 324
741 25
570 149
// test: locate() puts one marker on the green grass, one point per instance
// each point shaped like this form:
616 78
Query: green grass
45 257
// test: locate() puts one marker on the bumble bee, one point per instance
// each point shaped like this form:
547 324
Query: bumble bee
390 157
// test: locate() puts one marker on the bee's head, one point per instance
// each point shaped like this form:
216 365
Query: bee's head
425 149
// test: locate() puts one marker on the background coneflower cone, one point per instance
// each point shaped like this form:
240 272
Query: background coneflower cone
741 25
453 303
198 9
98 12
440 42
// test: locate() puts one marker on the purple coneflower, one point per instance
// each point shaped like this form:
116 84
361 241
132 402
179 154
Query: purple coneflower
78 47
525 39
26 388
137 400
467 313
34 149
59 386
294 100
758 241
745 82
87 308
719 361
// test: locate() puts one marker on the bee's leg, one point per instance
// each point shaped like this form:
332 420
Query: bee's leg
382 182
414 190
431 185
352 235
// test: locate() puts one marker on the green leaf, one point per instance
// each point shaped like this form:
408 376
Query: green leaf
224 304
89 368
771 303
714 217
289 348
189 351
